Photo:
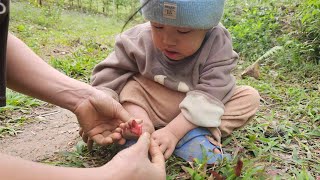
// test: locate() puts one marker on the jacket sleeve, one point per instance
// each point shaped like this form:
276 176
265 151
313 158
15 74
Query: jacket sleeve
204 105
111 74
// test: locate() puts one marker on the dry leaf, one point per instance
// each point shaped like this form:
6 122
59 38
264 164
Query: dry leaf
252 71
216 175
238 168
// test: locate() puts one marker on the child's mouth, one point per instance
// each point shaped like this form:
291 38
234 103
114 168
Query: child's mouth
170 54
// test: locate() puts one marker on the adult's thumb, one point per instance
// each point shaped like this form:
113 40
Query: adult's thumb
143 143
156 155
121 113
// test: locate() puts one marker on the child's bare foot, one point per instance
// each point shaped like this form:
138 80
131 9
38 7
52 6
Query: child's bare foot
137 112
134 128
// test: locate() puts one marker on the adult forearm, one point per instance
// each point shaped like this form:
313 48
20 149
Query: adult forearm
29 74
17 169
179 126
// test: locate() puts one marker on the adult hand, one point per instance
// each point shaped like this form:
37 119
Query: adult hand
166 140
133 162
100 117
98 114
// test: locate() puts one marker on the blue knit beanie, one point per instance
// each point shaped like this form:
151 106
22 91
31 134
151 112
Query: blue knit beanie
198 14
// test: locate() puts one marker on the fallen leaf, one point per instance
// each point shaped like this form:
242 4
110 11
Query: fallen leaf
216 175
252 71
238 168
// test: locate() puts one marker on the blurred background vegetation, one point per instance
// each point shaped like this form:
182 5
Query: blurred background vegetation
288 22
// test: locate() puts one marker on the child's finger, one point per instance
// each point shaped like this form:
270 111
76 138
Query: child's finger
168 153
163 148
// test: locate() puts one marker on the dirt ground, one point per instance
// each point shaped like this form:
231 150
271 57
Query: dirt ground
53 131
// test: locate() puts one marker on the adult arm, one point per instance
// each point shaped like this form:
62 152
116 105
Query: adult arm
97 113
27 73
131 163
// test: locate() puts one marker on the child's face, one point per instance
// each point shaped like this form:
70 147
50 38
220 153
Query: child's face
175 42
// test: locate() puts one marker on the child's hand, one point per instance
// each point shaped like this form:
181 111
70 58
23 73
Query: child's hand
166 140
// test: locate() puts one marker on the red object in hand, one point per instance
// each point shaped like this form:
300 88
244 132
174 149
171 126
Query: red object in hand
136 128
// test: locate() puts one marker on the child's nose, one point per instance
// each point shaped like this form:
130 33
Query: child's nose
169 39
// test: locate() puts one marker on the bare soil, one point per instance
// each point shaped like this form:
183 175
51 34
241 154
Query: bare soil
52 131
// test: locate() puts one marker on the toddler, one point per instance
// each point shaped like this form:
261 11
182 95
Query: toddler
174 72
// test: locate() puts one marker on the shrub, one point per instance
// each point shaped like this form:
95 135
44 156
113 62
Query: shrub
308 17
254 28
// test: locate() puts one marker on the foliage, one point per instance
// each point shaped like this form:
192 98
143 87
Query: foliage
254 27
119 9
18 101
80 64
308 17
49 16
257 26
9 124
45 16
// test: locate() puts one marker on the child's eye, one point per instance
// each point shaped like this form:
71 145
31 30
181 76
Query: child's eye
157 27
184 31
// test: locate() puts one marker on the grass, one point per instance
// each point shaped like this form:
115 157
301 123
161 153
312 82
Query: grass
283 140
16 113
